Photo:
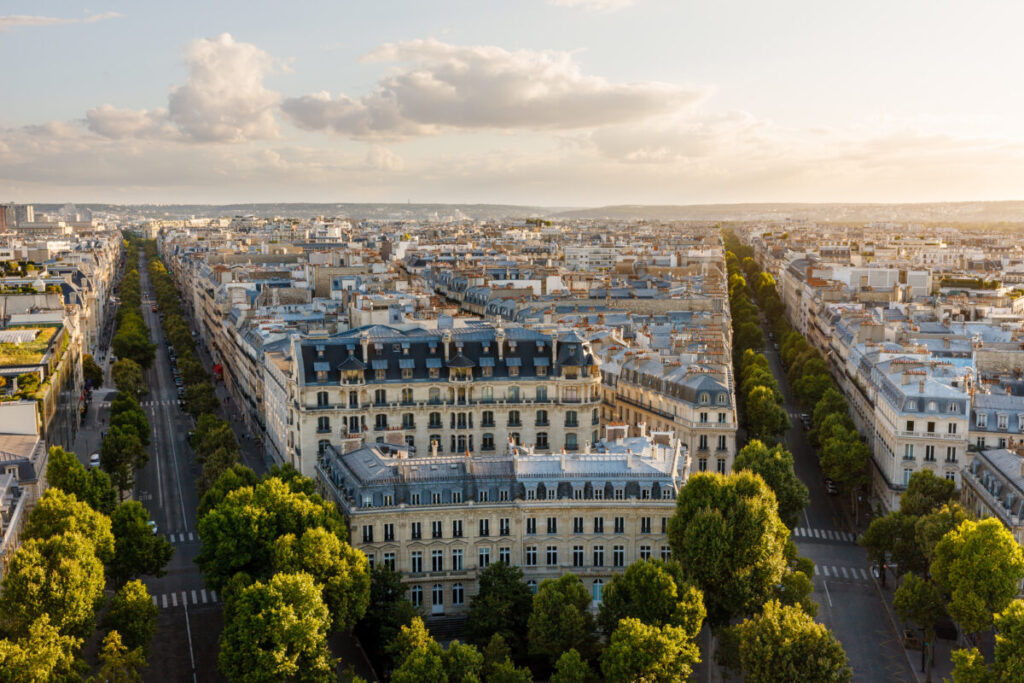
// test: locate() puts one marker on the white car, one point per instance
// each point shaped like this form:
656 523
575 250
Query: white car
94 460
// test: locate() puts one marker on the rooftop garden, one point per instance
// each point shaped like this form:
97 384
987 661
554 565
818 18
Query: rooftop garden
969 283
29 352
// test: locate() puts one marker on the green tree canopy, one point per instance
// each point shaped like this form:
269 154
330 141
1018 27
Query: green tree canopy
91 370
128 378
389 610
59 576
121 454
926 492
277 631
980 565
58 512
654 592
41 656
775 465
727 535
65 472
766 419
502 607
132 614
561 619
201 399
920 601
642 652
238 476
118 663
342 571
572 668
783 644
137 550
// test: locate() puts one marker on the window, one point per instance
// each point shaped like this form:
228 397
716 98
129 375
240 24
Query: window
353 399
702 442
570 442
408 421
323 424
503 495
485 527
457 498
951 427
598 555
931 428
721 418
321 399
435 530
721 442
980 443
577 556
598 494
504 526
389 561
619 494
910 425
542 393
406 373
929 453
368 533
487 442
702 464
417 529
435 498
645 552
513 371
597 590
436 560
389 532
620 525
571 419
906 475
542 440
514 437
577 493
1002 420
981 420
531 556
532 585
721 465
598 525
531 525
666 553
437 595
542 370
416 596
645 525
552 525
456 528
704 398
505 555
416 562
487 371
619 556
458 594
531 494
487 419
435 373
513 418
704 418
457 560
932 406
322 445
950 453
577 525
951 475
512 394
380 422
911 405
908 451
552 555
542 418
380 396
721 399
551 493
953 407
483 558
664 524
414 499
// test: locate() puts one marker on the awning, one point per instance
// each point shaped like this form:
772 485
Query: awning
542 361
433 362
513 362
487 362
407 363
218 368
379 364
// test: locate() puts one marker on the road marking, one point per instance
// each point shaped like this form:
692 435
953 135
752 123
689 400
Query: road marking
845 575
816 533
164 598
816 572
155 603
213 595
174 599
202 594
864 574
190 536
824 570
827 594
195 600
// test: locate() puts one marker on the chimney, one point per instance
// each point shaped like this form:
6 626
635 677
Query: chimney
920 386
906 378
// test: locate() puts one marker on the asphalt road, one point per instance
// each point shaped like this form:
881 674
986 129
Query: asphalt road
850 603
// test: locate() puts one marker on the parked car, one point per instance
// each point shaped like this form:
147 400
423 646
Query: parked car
806 420
152 526
154 308
830 487
94 460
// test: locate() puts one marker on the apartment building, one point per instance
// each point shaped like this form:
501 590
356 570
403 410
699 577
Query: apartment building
993 486
464 390
442 519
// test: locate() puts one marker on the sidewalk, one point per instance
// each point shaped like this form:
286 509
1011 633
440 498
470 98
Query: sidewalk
942 665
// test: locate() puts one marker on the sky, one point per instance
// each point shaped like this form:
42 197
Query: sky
534 102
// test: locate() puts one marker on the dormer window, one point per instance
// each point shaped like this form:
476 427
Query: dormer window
911 405
1003 419
954 407
721 399
981 420
704 398
932 406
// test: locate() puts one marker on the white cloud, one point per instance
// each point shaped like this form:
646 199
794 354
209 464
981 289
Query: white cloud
442 86
380 158
222 100
14 21
594 5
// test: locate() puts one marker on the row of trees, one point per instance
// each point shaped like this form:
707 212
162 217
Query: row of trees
131 337
81 555
953 566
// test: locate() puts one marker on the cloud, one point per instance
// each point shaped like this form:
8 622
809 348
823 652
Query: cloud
222 100
594 5
15 21
383 159
442 87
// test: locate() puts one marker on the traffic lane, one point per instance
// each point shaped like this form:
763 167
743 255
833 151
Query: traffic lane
173 650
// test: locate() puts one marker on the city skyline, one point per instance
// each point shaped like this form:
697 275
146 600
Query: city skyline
557 103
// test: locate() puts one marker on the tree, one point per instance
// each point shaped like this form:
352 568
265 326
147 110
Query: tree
59 576
775 465
238 476
1008 663
91 371
132 614
783 644
214 465
137 550
388 611
727 535
811 387
342 571
201 398
926 491
58 512
980 565
572 668
844 457
41 656
641 652
920 601
831 401
498 666
121 454
277 631
502 607
64 472
128 378
561 619
134 420
134 344
238 534
655 593
766 419
118 663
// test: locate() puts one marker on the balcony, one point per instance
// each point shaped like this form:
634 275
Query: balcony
932 435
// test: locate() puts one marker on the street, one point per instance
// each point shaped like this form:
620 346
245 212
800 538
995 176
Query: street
849 599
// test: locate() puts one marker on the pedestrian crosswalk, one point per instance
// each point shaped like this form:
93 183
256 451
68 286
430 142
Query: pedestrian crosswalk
183 537
829 571
164 402
824 534
185 598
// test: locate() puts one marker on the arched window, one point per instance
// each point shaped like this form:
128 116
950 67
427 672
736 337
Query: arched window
571 419
542 440
321 398
570 442
722 398
416 596
598 590
435 395
407 395
532 585
323 424
437 598
435 420
487 394
380 396
487 443
513 393
321 446
704 398
513 418
542 418
408 421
